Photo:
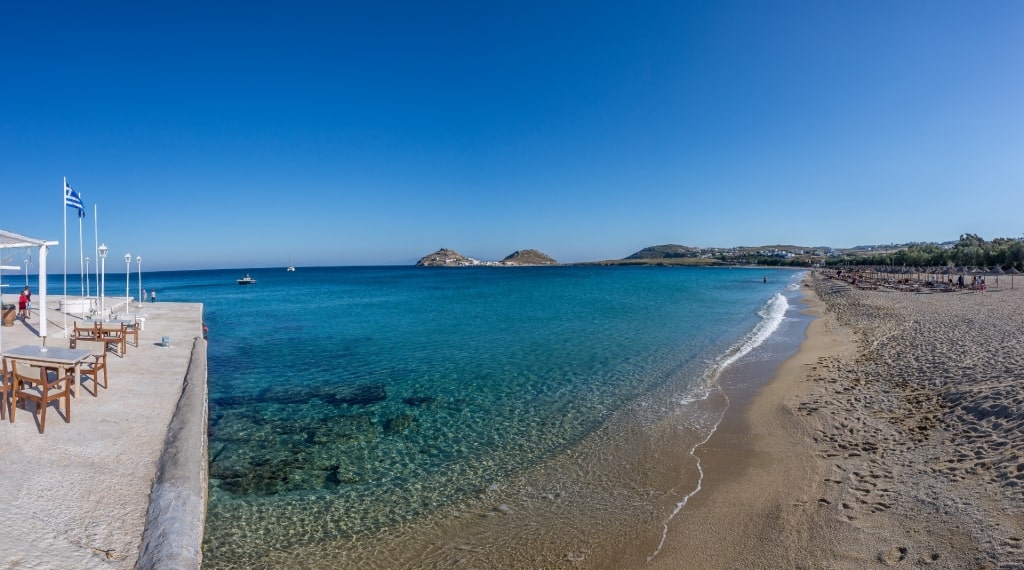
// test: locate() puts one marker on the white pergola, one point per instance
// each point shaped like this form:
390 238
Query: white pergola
10 240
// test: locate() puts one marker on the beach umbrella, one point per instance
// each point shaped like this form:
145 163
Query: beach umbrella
1012 271
997 270
949 272
958 271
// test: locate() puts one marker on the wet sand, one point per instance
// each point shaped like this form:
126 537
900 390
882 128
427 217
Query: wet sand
893 438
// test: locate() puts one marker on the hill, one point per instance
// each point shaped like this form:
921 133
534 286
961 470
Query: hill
445 257
668 251
528 257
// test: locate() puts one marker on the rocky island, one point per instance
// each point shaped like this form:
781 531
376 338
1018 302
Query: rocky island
445 257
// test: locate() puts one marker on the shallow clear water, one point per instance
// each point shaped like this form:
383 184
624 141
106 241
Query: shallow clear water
350 401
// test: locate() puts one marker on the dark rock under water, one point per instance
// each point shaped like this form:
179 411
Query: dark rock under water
349 394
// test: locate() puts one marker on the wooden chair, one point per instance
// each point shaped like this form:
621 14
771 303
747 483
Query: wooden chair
49 386
91 332
133 329
111 337
121 337
6 389
118 338
126 330
92 370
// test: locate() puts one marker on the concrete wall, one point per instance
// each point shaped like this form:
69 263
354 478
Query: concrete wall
173 536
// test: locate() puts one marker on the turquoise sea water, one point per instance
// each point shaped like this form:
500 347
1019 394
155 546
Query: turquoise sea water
351 408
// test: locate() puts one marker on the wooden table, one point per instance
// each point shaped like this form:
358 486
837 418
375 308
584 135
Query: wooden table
112 332
56 357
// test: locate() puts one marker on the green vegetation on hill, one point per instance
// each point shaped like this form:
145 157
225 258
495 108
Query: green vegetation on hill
970 250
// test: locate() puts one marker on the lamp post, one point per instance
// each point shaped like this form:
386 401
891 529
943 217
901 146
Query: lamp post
127 275
86 276
103 278
28 259
138 259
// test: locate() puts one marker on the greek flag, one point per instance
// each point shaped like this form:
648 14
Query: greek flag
71 198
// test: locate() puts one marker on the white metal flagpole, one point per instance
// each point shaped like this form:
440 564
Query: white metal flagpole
64 206
81 254
96 247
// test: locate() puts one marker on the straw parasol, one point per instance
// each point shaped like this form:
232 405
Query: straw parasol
997 270
1012 271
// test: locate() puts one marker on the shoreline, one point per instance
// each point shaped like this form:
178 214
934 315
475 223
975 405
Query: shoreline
755 467
602 502
869 447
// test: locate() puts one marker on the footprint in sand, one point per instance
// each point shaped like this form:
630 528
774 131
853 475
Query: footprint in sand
894 555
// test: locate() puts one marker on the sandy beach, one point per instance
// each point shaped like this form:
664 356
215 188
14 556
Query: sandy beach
893 438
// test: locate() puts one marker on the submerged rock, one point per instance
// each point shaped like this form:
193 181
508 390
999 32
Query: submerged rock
418 401
400 423
351 394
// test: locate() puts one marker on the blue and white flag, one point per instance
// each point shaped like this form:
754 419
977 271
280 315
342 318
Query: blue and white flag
72 199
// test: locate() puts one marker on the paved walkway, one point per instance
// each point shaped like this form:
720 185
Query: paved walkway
77 496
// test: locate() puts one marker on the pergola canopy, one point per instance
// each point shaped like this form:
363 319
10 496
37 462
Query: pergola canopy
10 240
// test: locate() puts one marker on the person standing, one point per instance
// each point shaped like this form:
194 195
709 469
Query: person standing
152 296
23 302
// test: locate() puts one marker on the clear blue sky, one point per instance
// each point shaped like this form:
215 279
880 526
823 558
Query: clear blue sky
235 134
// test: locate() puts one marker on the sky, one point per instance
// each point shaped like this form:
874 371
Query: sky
247 134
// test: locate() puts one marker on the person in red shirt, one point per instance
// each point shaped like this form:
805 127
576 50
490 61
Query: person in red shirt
23 303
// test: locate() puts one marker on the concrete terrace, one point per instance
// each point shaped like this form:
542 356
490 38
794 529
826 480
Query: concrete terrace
80 495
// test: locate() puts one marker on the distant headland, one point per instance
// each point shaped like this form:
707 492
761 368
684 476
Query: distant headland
970 250
669 254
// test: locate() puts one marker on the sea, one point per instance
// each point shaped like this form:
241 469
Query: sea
406 417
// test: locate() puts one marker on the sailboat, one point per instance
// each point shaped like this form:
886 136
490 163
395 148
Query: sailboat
291 266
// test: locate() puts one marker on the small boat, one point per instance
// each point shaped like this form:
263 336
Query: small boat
247 280
291 266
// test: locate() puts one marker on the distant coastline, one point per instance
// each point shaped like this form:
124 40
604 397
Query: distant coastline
658 255
970 252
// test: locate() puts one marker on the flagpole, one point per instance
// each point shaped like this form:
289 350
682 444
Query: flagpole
81 262
64 206
96 249
81 255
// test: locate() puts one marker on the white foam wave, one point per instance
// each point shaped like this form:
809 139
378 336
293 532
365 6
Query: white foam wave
795 281
772 314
